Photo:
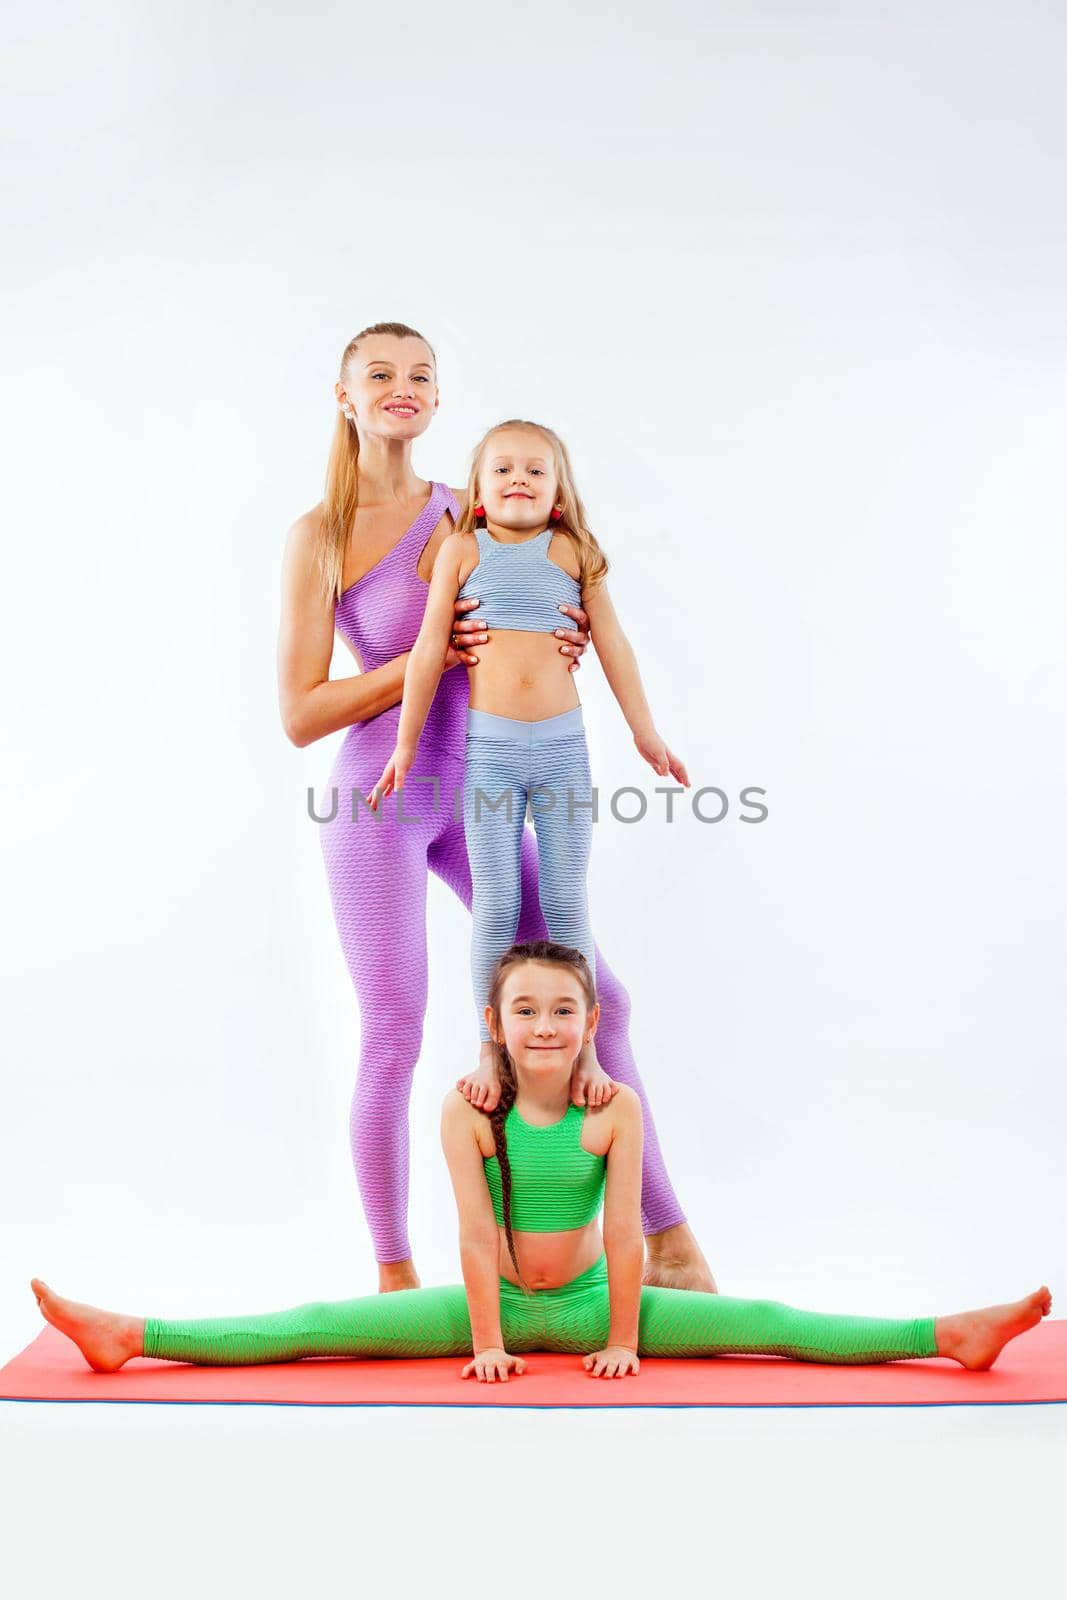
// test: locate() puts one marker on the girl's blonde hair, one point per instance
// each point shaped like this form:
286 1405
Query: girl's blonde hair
342 473
592 562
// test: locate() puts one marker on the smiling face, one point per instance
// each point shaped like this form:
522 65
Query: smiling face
517 480
543 1018
390 384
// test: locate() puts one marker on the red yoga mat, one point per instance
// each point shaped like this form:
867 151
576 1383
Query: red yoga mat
1032 1370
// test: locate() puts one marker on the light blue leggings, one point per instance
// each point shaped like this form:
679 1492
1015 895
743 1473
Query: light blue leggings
510 764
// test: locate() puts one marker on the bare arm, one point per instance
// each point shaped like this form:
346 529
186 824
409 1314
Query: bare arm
620 669
617 659
427 659
312 704
624 1245
479 1241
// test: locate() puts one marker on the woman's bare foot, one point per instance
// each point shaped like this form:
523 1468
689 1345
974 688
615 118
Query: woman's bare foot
676 1261
397 1275
106 1339
482 1088
976 1338
590 1084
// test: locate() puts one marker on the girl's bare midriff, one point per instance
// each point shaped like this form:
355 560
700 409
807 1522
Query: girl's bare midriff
550 1260
523 676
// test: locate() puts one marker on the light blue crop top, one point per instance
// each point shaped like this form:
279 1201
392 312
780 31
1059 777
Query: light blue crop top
519 585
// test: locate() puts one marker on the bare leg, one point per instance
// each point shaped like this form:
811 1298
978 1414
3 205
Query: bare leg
976 1338
106 1339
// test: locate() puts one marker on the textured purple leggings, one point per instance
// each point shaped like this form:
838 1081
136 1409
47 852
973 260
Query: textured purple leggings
378 874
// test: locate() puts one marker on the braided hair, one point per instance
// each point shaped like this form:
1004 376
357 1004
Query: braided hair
544 950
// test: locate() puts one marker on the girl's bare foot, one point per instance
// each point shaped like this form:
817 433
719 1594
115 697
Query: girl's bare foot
590 1084
106 1339
676 1261
397 1275
482 1088
976 1338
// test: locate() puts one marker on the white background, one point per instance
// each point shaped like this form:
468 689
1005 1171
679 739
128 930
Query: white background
788 280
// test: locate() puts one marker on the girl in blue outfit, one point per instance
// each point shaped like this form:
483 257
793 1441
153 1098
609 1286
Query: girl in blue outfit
523 546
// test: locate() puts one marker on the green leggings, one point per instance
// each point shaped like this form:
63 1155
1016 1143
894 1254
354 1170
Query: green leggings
434 1322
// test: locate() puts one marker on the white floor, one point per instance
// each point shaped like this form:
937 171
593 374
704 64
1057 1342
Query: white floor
156 1501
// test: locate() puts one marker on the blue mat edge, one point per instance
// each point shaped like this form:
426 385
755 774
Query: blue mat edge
524 1405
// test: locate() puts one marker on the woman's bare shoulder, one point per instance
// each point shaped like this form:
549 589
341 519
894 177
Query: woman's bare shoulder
305 531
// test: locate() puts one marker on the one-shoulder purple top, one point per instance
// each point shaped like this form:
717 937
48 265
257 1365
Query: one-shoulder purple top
380 615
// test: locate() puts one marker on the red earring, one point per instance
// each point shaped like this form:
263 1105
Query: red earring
479 511
556 513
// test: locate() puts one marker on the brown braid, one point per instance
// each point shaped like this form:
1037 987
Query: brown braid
545 950
497 1119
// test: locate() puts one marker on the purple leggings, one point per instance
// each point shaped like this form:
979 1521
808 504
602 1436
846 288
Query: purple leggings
377 875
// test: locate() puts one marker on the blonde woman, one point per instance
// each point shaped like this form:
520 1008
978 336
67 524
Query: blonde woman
359 564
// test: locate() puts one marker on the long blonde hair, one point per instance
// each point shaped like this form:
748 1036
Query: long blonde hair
592 562
342 473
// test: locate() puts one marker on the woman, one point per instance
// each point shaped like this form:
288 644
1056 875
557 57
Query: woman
538 1274
360 563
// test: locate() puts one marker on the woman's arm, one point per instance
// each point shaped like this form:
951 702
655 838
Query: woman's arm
620 669
312 705
624 1244
479 1239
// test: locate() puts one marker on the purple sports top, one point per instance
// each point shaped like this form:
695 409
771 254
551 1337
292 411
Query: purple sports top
380 615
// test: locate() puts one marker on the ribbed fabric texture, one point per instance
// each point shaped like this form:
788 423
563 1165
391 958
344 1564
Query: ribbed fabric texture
435 1322
507 761
555 1184
519 585
377 867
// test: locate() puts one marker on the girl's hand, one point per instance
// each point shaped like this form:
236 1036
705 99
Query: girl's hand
614 1362
663 761
466 631
575 640
488 1365
396 770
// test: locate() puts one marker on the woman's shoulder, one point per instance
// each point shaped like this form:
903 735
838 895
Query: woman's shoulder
307 527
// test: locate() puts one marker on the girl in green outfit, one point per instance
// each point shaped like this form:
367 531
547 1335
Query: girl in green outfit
538 1274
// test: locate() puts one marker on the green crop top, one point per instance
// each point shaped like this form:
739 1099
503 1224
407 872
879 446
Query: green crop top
555 1184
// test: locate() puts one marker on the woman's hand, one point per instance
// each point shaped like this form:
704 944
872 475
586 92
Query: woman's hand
663 761
489 1365
397 768
576 639
466 631
614 1362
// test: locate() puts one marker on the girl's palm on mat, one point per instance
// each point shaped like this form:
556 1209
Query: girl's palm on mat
614 1362
489 1365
